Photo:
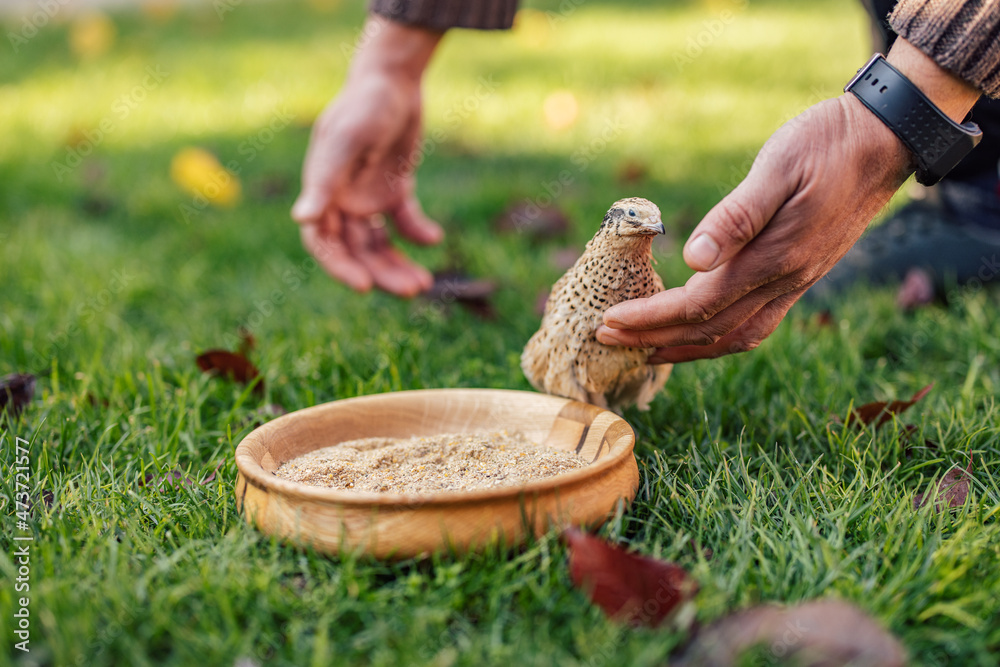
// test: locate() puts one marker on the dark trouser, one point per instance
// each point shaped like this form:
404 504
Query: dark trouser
953 237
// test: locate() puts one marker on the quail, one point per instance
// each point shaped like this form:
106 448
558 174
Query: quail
564 357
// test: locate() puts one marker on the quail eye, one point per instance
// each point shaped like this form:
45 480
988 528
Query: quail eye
631 213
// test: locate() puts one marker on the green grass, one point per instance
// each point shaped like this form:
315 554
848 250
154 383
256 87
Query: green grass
108 294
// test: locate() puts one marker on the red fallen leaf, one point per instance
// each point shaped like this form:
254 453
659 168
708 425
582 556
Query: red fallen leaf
631 172
629 587
473 295
821 633
542 222
953 489
880 412
16 391
233 365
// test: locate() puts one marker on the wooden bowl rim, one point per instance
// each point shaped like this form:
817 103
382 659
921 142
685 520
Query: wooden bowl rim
254 472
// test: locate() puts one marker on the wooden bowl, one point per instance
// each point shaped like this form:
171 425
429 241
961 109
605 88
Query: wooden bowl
392 525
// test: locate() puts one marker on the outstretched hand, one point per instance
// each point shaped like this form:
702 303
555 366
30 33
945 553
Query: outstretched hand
360 163
814 187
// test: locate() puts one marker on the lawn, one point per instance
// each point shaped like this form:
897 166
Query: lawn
114 279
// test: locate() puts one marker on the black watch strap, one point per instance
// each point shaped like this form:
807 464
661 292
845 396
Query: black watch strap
938 142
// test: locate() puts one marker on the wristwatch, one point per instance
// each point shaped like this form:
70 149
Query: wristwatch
938 142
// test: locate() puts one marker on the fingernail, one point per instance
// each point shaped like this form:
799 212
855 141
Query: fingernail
702 253
608 336
304 210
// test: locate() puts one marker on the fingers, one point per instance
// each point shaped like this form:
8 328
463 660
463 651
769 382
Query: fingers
326 168
744 338
323 240
739 218
699 300
701 333
388 269
414 225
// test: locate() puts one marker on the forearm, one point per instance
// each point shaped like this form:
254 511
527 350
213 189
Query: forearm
958 35
395 48
951 94
444 14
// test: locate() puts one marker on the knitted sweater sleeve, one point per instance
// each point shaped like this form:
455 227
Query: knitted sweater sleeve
444 14
963 36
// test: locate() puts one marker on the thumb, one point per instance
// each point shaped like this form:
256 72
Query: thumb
414 225
323 173
738 218
309 206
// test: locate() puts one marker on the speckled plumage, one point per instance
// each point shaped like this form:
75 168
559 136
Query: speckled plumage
564 357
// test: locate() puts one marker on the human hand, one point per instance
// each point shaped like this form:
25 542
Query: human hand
814 187
360 162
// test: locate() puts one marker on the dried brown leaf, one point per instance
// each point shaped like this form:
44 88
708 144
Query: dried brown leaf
233 365
16 392
821 633
636 589
526 217
473 295
952 489
880 412
631 172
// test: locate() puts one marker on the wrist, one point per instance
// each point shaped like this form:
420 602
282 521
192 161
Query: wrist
878 145
952 95
395 48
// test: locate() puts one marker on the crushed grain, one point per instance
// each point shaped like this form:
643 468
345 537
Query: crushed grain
448 462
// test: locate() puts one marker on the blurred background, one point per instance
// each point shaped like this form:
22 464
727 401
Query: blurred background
163 140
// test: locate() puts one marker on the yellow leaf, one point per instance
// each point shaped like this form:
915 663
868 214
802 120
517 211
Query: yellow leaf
91 35
199 173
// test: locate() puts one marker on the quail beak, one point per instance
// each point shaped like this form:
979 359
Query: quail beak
655 226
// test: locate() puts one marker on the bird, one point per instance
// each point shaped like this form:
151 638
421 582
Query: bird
564 356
